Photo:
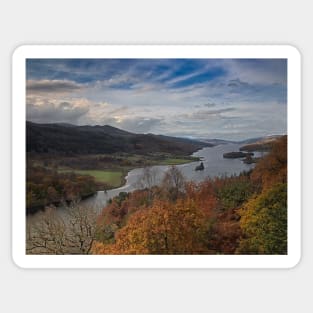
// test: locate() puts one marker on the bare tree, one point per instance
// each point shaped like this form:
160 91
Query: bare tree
173 183
70 233
46 235
148 178
82 227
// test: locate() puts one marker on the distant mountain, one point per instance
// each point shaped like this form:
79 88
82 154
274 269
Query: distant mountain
67 139
64 124
260 139
216 142
250 140
259 144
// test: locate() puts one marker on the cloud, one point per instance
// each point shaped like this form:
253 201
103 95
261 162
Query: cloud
206 114
231 97
51 86
55 112
131 124
257 71
139 124
204 77
209 105
236 83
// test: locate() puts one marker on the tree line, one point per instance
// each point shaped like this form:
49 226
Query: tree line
47 186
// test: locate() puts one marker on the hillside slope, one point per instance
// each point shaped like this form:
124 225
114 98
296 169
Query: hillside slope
63 139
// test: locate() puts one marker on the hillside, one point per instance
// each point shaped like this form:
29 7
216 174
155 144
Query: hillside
66 139
260 144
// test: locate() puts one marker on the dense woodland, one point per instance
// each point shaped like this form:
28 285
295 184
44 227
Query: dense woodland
46 186
245 214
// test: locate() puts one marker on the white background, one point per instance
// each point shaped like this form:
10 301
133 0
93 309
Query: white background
263 22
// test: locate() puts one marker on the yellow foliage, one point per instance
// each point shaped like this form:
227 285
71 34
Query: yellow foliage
264 223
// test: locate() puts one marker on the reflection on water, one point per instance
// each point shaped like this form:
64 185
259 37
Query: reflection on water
214 165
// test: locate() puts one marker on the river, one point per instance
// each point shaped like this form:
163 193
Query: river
214 165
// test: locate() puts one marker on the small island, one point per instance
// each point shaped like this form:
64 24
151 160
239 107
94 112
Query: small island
237 154
200 167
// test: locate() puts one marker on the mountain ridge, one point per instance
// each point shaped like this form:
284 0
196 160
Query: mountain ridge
67 139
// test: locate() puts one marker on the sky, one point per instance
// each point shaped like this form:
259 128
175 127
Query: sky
232 99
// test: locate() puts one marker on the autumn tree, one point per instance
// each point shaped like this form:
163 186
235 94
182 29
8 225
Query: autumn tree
264 223
225 229
163 229
46 186
232 192
202 195
115 214
272 168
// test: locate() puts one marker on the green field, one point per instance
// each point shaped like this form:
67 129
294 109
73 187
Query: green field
112 178
176 161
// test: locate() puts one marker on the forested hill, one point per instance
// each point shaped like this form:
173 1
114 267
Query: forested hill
67 139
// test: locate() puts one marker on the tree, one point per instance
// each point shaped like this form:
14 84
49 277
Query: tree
233 191
52 195
148 178
163 229
173 183
272 169
46 186
72 232
264 223
46 235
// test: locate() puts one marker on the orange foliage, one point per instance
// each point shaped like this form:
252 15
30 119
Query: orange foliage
118 210
202 218
162 229
203 196
226 232
272 169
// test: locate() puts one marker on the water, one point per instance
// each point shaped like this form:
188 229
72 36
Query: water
214 165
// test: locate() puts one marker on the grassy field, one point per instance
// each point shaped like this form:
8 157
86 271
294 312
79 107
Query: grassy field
176 161
110 177
112 171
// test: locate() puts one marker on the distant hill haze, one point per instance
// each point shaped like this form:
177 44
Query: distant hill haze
67 139
260 144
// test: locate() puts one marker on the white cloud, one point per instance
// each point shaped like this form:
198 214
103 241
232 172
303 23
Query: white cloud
247 100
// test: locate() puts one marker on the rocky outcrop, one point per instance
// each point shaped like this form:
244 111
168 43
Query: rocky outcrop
200 167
